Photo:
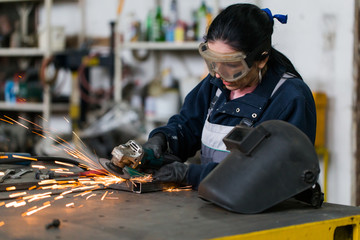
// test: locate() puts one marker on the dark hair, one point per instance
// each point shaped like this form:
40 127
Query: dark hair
247 28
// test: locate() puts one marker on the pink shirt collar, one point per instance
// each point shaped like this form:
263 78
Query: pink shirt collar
241 92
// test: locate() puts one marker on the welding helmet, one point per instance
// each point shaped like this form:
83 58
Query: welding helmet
266 165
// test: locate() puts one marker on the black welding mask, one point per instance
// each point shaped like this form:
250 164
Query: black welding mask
266 165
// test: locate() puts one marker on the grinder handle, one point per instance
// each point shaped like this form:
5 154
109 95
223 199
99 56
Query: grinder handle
150 161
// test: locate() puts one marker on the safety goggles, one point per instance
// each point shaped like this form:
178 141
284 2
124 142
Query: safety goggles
231 67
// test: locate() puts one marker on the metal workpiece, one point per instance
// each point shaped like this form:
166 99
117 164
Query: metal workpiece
142 187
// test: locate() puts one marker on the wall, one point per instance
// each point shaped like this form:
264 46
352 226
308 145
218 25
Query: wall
320 42
318 39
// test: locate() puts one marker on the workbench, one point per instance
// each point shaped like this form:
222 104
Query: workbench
175 215
108 213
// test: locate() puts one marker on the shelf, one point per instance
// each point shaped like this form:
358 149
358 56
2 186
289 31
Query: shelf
20 52
160 45
33 107
10 1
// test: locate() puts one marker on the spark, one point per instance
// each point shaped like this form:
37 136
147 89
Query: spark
39 134
15 204
64 172
38 198
4 156
24 157
85 179
57 186
58 197
86 193
2 173
38 166
57 141
42 118
2 223
35 210
32 208
179 189
66 192
65 164
20 203
92 195
17 194
30 122
59 169
17 122
6 121
48 181
39 195
102 198
85 188
70 204
56 147
82 186
78 138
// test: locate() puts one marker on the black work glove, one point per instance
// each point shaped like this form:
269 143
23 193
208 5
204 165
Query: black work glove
173 172
157 143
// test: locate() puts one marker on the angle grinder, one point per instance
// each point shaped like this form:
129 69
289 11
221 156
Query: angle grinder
130 158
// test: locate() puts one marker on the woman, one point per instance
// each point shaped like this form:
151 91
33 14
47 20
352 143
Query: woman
249 82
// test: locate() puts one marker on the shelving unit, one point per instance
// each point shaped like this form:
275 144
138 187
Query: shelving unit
156 47
32 107
45 107
160 46
21 52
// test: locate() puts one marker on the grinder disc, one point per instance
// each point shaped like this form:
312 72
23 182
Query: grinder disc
114 170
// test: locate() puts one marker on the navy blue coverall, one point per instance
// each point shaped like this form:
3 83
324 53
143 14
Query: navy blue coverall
279 96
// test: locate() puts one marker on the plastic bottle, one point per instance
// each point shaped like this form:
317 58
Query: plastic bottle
15 39
174 17
173 20
180 32
190 34
201 21
10 96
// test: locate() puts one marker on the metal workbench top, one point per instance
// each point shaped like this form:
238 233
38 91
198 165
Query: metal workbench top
156 215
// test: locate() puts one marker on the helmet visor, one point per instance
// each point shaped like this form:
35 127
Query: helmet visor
231 66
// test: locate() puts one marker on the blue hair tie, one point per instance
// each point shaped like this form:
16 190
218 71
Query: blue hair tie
281 18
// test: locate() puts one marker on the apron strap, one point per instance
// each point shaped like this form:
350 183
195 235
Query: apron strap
248 122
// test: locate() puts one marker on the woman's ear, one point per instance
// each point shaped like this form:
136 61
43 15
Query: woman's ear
261 64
